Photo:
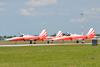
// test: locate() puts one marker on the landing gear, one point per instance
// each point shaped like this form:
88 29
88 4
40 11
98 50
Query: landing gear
82 40
34 42
48 42
15 42
77 41
31 42
62 41
52 42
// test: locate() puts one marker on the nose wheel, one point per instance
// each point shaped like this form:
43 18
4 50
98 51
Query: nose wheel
15 42
62 41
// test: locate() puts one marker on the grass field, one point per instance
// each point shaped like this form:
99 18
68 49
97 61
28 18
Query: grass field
50 56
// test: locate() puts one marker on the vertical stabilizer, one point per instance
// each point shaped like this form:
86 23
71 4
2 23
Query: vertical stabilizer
43 34
91 32
59 34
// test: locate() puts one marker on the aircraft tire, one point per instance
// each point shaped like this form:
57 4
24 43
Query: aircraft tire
82 42
52 42
34 42
48 42
77 41
31 42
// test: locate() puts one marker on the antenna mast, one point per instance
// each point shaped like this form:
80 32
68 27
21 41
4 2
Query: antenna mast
82 22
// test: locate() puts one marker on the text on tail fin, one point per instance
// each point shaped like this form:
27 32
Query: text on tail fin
91 32
43 33
59 34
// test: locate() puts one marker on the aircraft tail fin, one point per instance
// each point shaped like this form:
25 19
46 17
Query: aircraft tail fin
91 32
59 34
43 34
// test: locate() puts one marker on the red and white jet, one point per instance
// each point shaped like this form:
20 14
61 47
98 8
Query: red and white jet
57 36
41 37
90 35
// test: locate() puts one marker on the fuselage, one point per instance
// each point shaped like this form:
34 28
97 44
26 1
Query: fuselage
26 38
78 37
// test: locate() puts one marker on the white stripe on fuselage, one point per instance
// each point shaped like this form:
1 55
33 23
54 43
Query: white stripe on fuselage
16 38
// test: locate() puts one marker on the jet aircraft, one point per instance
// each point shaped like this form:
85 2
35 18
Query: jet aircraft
90 35
51 38
23 37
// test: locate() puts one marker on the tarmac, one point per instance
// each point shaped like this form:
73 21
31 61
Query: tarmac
11 45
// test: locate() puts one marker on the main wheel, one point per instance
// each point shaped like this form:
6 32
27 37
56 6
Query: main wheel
82 41
52 42
77 41
34 42
48 42
31 42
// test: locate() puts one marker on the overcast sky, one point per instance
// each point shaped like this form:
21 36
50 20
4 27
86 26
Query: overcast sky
32 16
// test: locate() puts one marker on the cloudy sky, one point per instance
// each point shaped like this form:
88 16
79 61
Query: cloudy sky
32 16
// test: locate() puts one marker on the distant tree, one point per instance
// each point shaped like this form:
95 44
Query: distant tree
0 36
35 35
53 34
64 34
97 34
9 36
4 36
14 36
